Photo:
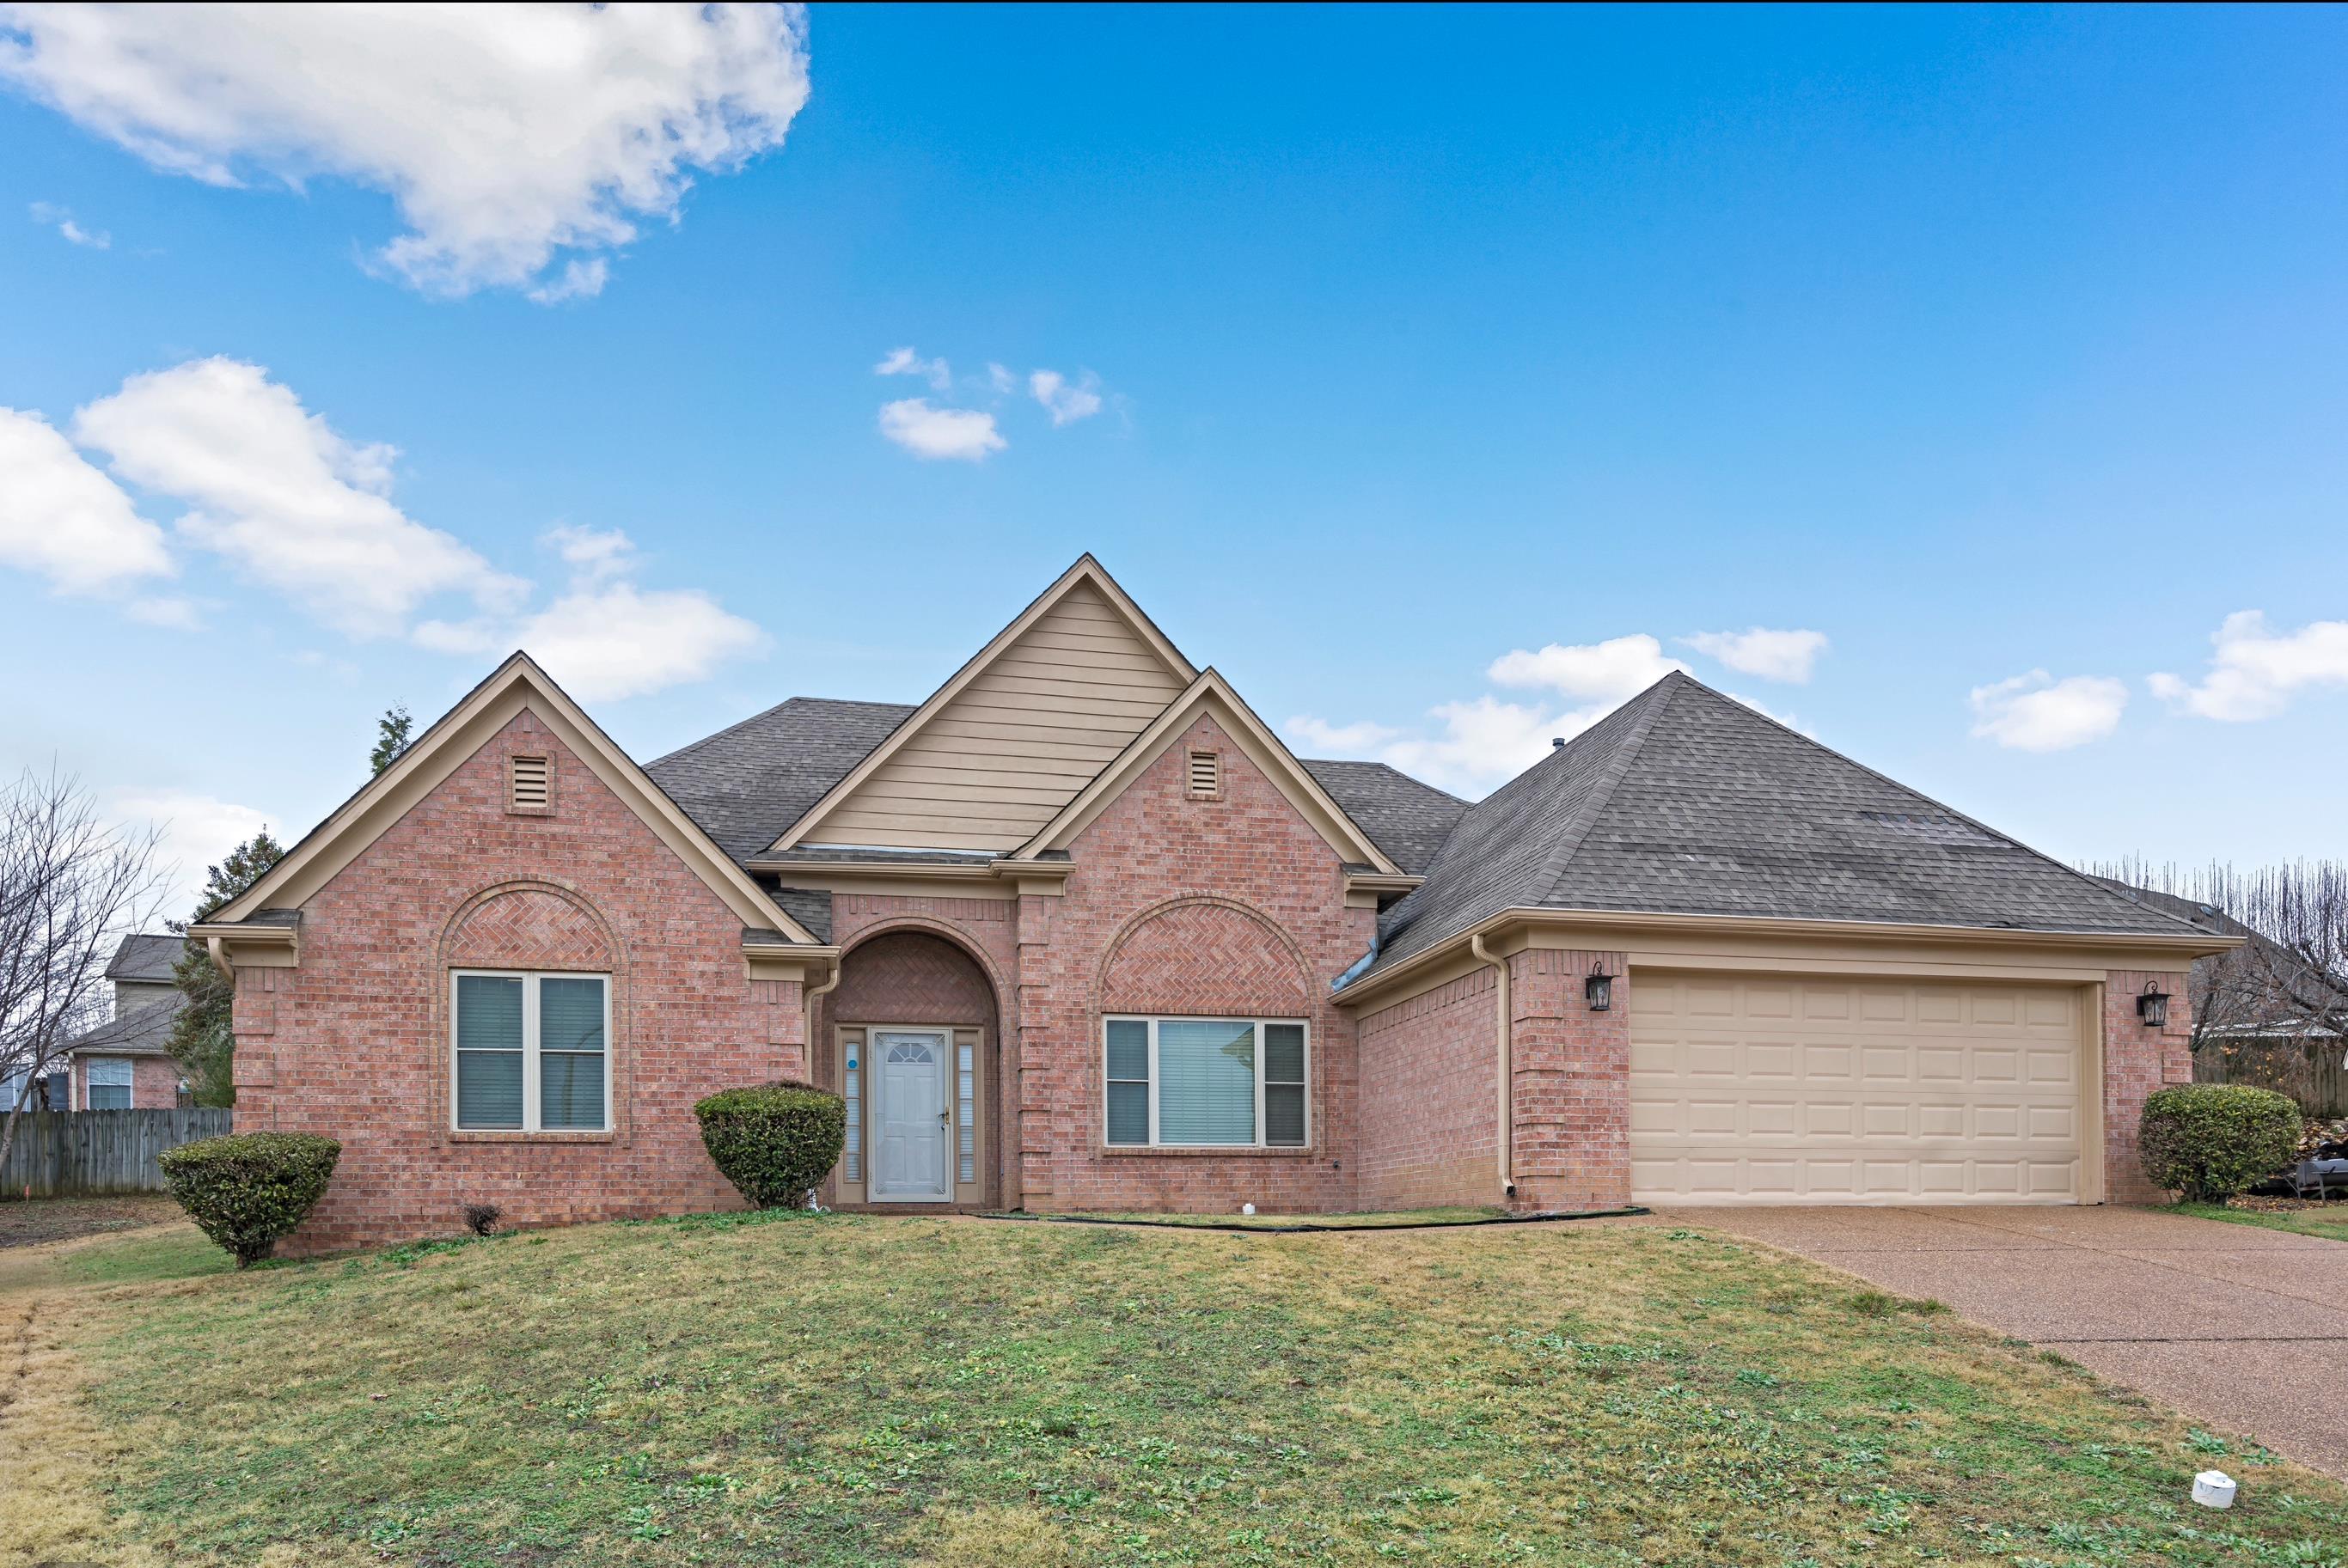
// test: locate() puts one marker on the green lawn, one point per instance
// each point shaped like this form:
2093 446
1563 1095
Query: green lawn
2329 1221
834 1389
1375 1219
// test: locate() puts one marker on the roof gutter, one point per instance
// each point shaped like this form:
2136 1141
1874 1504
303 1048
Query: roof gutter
2187 944
1506 1055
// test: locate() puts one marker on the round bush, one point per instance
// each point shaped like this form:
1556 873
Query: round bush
774 1141
2209 1141
248 1189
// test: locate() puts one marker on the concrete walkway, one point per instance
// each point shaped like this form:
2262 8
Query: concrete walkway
2237 1327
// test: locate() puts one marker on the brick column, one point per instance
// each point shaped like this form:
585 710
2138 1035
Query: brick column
253 1022
787 1024
2139 1059
1029 1180
1572 1082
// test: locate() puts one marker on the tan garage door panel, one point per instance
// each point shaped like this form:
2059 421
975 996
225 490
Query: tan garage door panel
1771 1090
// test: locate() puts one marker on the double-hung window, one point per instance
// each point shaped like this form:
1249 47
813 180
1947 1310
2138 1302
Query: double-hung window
108 1085
1205 1082
532 1052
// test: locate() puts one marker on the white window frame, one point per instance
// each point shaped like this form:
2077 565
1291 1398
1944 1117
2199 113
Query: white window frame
531 1109
130 1084
1153 1020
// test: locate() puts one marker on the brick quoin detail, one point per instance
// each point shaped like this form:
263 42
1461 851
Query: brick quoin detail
2137 1060
1572 1082
354 1042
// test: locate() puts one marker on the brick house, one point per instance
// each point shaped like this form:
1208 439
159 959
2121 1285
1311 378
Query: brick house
1079 932
124 1063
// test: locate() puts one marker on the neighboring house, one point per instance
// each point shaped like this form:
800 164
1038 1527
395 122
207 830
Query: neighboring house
1079 932
2258 992
124 1063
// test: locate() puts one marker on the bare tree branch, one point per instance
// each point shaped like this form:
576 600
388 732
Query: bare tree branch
71 887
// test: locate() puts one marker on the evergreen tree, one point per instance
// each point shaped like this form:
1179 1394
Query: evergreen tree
391 733
201 1041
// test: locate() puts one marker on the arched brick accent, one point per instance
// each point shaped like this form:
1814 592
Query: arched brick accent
1204 955
528 925
912 976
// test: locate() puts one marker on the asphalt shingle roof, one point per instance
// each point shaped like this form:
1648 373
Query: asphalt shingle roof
146 957
145 1031
1407 819
748 783
1685 801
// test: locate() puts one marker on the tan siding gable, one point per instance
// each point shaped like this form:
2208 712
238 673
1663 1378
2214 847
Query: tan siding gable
1017 743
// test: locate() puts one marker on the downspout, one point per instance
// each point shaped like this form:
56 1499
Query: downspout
808 997
1508 1064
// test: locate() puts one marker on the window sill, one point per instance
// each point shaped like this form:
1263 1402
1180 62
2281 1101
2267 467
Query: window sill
1202 1150
514 1135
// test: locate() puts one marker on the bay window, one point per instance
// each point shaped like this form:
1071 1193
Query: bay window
1205 1082
532 1052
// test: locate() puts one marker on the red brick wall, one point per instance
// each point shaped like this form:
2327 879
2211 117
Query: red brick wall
1181 906
1572 1074
154 1082
985 932
2137 1060
1429 1104
354 1042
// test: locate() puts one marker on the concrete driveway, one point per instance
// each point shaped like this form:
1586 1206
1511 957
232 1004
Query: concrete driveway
2239 1327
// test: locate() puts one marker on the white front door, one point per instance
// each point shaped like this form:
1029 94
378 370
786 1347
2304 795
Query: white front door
910 1073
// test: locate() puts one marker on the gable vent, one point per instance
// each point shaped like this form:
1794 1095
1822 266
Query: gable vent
1206 775
530 779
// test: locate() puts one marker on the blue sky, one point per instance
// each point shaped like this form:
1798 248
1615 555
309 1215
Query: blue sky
2000 351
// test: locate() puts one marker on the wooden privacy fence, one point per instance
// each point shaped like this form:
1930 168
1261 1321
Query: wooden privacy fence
89 1153
2310 1071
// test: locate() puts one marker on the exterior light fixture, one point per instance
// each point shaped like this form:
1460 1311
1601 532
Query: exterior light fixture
2153 1006
1598 988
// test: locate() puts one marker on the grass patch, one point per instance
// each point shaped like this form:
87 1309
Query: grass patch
837 1389
1380 1219
2329 1221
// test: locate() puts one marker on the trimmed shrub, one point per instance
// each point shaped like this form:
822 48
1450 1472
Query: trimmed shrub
774 1141
249 1189
2209 1141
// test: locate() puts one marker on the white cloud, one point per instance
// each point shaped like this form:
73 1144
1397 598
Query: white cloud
905 362
49 214
577 281
1617 668
605 637
618 641
1326 739
1787 656
933 432
506 134
273 488
2256 670
171 611
999 377
194 832
1476 744
62 518
593 552
1065 401
2037 712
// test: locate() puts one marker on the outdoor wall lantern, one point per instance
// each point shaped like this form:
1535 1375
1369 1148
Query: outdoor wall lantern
2153 1006
1598 988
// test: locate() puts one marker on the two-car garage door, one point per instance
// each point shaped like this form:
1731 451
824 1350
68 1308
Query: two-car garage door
1774 1089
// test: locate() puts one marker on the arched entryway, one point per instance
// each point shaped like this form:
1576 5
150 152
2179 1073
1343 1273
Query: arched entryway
912 1036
